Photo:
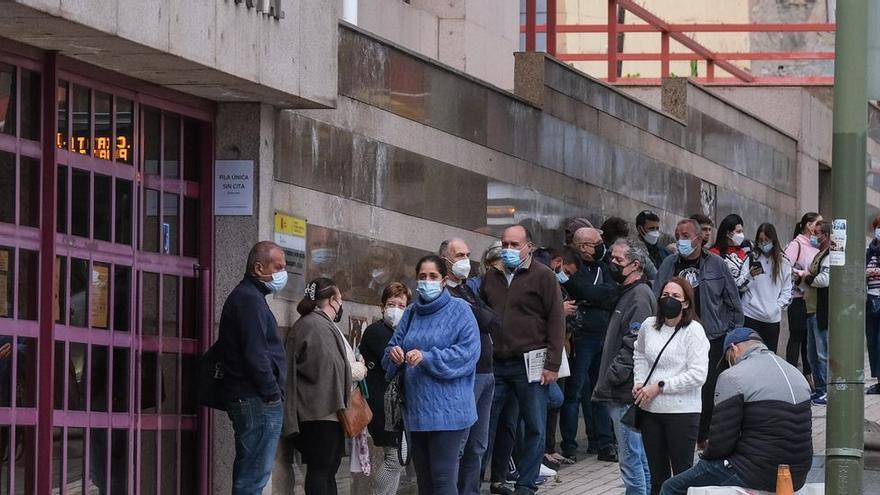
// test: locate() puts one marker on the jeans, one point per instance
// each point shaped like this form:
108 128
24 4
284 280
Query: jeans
435 458
634 469
872 333
705 473
669 444
511 380
579 390
257 427
817 352
474 446
555 397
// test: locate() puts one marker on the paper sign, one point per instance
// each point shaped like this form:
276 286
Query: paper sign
234 187
100 295
290 234
535 360
837 251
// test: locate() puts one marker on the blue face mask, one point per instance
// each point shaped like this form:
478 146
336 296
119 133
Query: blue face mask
814 241
429 289
877 234
685 247
510 258
279 280
766 248
562 276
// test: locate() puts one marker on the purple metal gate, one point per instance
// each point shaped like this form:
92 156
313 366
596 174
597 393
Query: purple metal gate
105 288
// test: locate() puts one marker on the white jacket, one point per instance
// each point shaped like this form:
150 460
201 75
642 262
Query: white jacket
682 367
764 298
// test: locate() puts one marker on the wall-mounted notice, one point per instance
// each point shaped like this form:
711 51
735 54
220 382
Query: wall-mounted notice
234 187
837 251
290 234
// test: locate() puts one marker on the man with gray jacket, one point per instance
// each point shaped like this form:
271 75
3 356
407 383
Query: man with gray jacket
762 419
716 300
615 383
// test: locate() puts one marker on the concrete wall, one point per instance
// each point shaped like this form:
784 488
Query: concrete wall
477 37
217 49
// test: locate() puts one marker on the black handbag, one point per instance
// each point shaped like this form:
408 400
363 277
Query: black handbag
210 391
632 418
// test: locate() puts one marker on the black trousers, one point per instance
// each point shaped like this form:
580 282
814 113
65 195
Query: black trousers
716 366
768 331
669 444
322 444
797 339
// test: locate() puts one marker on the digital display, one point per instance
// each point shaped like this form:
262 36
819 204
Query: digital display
103 146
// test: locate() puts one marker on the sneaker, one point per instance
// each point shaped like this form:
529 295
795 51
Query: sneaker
815 395
607 455
873 389
540 480
500 489
546 472
821 400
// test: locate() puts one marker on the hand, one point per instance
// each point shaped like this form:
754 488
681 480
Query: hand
414 357
548 377
755 271
647 394
5 350
396 355
569 307
636 389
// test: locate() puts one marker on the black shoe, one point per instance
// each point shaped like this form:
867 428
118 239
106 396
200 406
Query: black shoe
607 455
873 389
501 489
592 450
570 455
550 463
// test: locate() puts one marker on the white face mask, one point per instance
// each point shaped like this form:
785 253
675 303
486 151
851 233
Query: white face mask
461 268
652 237
737 239
392 316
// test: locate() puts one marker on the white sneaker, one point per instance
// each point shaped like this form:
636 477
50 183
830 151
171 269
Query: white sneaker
547 472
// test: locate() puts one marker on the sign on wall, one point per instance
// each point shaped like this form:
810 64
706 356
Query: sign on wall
290 234
234 187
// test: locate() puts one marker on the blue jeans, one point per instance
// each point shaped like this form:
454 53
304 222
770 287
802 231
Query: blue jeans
473 448
257 427
634 469
579 388
435 459
511 380
705 473
555 399
817 352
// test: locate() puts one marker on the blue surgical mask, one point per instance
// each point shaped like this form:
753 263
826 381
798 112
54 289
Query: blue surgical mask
279 280
877 234
767 247
685 247
814 241
429 289
562 276
510 258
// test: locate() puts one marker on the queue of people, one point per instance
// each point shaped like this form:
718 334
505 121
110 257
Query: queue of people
651 342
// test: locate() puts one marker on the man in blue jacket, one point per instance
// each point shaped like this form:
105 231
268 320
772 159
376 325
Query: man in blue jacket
254 367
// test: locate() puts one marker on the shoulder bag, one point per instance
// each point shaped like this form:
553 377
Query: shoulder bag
355 418
632 418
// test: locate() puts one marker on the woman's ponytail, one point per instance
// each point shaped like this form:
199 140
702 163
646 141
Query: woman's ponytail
316 291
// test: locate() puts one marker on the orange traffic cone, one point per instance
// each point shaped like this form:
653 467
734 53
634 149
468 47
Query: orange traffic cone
783 481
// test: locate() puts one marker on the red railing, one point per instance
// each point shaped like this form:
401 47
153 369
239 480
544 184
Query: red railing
677 32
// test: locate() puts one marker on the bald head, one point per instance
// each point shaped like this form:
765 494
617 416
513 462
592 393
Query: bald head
587 234
264 259
586 240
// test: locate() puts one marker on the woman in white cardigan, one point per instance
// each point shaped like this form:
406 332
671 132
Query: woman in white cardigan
670 400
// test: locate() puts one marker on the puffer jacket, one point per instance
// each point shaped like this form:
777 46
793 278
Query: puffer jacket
762 419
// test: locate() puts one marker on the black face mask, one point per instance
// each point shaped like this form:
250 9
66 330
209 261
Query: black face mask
338 316
616 272
669 307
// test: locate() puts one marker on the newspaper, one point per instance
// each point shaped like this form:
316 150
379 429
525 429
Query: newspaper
535 360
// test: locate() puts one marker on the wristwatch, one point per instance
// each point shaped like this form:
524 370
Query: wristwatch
661 384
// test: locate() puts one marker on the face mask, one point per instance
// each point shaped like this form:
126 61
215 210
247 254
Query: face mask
877 234
323 256
461 269
814 241
510 258
429 289
392 316
279 280
616 272
562 276
599 252
338 316
737 239
767 247
670 307
652 237
379 275
685 247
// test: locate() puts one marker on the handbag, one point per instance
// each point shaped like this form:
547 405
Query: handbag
210 392
632 418
355 418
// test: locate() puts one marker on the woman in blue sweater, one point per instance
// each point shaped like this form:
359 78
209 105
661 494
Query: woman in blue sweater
439 343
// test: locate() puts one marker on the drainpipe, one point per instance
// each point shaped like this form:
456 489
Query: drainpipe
350 11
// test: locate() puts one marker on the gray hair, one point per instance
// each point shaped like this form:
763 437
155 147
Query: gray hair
693 223
634 252
492 253
444 246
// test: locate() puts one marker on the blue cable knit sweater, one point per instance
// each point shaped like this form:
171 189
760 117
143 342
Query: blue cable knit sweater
440 390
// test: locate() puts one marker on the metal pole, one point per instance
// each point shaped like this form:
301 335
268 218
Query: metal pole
846 375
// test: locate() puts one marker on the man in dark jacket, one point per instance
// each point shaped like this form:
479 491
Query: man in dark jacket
716 299
762 419
648 228
596 295
615 384
254 367
457 256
